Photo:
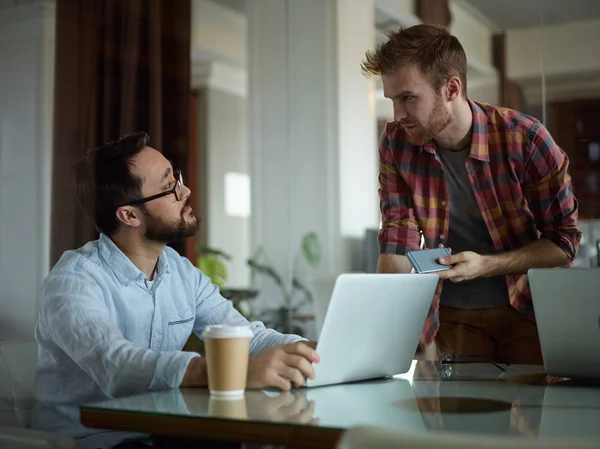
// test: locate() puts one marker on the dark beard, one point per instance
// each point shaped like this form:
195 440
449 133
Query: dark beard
161 231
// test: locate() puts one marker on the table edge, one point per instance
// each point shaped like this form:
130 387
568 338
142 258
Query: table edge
283 434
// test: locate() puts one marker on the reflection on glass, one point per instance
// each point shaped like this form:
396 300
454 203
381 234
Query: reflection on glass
227 408
501 407
266 406
285 406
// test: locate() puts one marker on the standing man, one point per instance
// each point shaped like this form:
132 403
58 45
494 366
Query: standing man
116 313
487 182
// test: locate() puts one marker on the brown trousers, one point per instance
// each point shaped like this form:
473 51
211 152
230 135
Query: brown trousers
499 334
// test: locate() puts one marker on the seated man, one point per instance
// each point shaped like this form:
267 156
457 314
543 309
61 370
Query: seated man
116 313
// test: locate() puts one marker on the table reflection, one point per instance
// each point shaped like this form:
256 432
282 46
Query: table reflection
290 407
477 399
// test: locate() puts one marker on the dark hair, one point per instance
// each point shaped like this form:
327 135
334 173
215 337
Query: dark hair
104 181
437 53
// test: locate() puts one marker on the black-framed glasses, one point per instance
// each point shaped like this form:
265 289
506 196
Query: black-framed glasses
176 190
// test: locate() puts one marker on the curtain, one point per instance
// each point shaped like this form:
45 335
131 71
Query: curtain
121 67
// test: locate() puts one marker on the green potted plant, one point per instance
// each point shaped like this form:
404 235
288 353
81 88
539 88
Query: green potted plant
286 317
212 262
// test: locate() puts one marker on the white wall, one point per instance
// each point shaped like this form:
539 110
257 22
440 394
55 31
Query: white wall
26 89
218 33
226 151
312 120
219 55
485 90
566 54
566 49
475 34
357 139
399 9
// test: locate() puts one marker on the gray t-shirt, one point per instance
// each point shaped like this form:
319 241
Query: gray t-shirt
468 232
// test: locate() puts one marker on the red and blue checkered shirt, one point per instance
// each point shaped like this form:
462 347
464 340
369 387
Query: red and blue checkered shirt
520 181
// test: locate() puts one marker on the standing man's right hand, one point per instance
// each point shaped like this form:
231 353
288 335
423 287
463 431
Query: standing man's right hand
282 366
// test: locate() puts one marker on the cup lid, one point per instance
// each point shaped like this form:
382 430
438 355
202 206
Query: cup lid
227 331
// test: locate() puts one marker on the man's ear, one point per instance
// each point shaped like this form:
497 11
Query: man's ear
453 88
129 216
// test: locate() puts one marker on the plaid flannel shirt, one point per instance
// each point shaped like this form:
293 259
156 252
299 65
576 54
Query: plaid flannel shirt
520 180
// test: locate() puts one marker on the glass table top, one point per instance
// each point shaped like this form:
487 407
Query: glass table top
473 398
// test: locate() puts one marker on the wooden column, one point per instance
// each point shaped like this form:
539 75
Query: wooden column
434 11
510 93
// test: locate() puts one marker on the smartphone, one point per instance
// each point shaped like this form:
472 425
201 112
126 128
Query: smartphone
425 260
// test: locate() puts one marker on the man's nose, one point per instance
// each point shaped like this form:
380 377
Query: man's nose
186 191
399 113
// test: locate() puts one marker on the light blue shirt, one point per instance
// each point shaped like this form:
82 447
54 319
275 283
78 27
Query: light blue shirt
104 333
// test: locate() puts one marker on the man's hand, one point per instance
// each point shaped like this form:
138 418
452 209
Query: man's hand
196 374
312 344
542 253
282 366
467 265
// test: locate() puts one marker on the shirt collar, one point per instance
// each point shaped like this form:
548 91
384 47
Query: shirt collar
479 137
122 266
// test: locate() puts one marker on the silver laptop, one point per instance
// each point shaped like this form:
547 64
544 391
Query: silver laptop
372 326
567 310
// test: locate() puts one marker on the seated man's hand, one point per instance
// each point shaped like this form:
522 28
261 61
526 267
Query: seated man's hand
282 366
312 344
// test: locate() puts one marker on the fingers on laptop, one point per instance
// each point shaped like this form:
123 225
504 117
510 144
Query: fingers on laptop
311 344
301 364
291 377
304 350
281 383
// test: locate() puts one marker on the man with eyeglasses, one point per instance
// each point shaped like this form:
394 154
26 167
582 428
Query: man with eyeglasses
115 314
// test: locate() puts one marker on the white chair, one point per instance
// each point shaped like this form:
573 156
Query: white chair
371 437
17 398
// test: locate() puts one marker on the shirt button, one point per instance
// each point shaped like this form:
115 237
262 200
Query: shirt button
442 237
443 203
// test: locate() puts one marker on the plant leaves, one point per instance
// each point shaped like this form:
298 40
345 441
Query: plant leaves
267 270
311 249
300 286
213 268
207 251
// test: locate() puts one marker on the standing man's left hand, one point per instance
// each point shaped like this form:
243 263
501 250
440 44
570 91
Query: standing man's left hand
467 265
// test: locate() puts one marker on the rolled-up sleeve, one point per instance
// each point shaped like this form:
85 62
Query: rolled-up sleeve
549 192
78 321
399 227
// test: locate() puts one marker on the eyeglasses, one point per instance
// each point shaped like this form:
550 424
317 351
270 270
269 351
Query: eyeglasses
176 190
447 360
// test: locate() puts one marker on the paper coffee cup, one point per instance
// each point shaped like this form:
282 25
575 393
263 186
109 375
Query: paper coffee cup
227 353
